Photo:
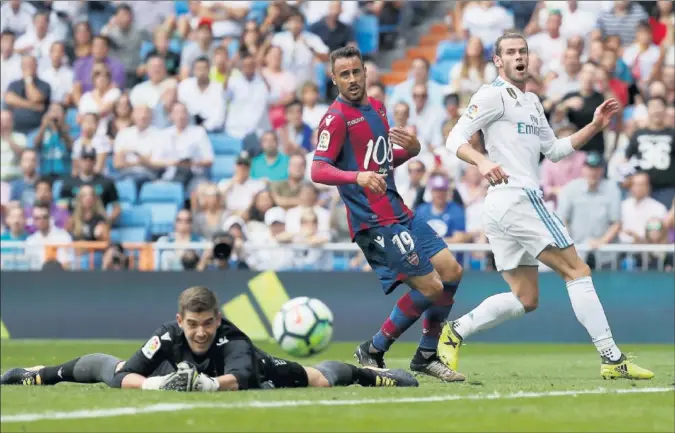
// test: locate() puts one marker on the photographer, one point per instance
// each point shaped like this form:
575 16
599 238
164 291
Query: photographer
115 258
219 257
54 143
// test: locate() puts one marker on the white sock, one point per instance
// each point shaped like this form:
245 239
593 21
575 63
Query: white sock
491 312
590 313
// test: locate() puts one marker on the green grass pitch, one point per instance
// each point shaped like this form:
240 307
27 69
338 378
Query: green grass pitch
517 387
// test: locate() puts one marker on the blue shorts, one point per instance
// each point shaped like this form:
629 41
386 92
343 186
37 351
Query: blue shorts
399 251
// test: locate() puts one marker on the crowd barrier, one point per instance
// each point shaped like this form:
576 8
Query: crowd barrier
332 256
131 305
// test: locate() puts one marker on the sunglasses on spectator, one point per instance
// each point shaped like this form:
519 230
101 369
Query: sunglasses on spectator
184 220
654 226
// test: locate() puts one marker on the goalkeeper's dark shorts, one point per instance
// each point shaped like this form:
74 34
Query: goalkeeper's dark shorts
281 373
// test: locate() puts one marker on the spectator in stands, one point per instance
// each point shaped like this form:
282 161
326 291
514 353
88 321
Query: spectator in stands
554 176
596 51
28 98
161 114
271 164
121 117
204 99
16 16
651 149
444 215
46 234
577 21
312 110
661 21
85 67
222 258
486 20
89 140
101 99
149 92
281 83
220 69
426 116
377 92
261 203
82 41
239 192
249 96
312 237
58 74
23 188
183 234
161 49
603 224
579 107
202 47
622 21
236 227
333 32
308 200
16 226
212 215
133 147
54 143
12 143
656 234
268 235
103 186
401 115
286 193
89 221
339 222
115 258
467 76
37 40
603 85
185 147
296 135
638 209
413 191
227 17
642 56
276 16
567 79
300 48
403 92
126 38
251 41
44 196
10 62
549 45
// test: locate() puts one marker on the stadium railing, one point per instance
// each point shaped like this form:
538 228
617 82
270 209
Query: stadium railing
332 256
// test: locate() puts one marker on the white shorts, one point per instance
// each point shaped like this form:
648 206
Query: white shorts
519 227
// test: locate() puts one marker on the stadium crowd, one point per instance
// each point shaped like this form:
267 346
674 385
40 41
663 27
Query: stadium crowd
180 123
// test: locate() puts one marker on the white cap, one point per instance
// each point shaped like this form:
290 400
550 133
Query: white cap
275 215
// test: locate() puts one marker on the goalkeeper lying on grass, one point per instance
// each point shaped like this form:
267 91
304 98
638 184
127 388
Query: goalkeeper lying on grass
201 351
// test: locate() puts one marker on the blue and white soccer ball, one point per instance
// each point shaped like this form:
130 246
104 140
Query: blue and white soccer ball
303 326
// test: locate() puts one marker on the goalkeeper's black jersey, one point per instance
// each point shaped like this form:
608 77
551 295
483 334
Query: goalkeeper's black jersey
232 352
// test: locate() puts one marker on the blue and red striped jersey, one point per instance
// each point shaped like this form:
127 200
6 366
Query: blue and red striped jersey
355 137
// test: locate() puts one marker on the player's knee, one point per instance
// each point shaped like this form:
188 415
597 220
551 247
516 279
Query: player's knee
578 270
451 273
316 379
433 287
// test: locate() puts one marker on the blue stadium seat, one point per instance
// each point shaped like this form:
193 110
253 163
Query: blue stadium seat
56 189
134 216
232 48
163 216
223 167
441 70
320 75
162 192
181 8
258 11
449 50
126 190
130 234
223 144
367 30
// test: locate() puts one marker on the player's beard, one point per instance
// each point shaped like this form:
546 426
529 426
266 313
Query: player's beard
354 93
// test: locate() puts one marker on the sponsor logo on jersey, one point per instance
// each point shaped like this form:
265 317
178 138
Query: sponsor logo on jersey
471 112
512 93
324 141
355 121
380 241
527 129
222 341
151 347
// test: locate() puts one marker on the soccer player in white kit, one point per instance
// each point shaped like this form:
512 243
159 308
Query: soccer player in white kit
521 230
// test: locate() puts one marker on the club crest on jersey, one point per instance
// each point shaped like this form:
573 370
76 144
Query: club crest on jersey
534 120
512 93
413 258
382 113
472 111
324 140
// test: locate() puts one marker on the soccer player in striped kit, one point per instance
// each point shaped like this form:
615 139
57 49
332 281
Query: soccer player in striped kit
356 153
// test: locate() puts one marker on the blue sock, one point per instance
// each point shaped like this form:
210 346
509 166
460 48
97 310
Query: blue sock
434 317
407 310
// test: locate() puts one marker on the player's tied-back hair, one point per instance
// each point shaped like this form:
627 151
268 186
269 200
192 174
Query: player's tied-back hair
507 35
197 299
344 53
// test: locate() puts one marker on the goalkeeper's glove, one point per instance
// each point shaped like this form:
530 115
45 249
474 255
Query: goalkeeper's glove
182 380
204 383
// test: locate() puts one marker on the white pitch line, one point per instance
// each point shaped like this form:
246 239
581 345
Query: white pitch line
175 407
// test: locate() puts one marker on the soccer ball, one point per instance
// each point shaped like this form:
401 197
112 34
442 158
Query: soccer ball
303 327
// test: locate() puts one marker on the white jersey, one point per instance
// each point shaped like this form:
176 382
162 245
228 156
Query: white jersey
515 129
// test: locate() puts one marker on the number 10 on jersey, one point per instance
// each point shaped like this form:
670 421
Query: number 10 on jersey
381 151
